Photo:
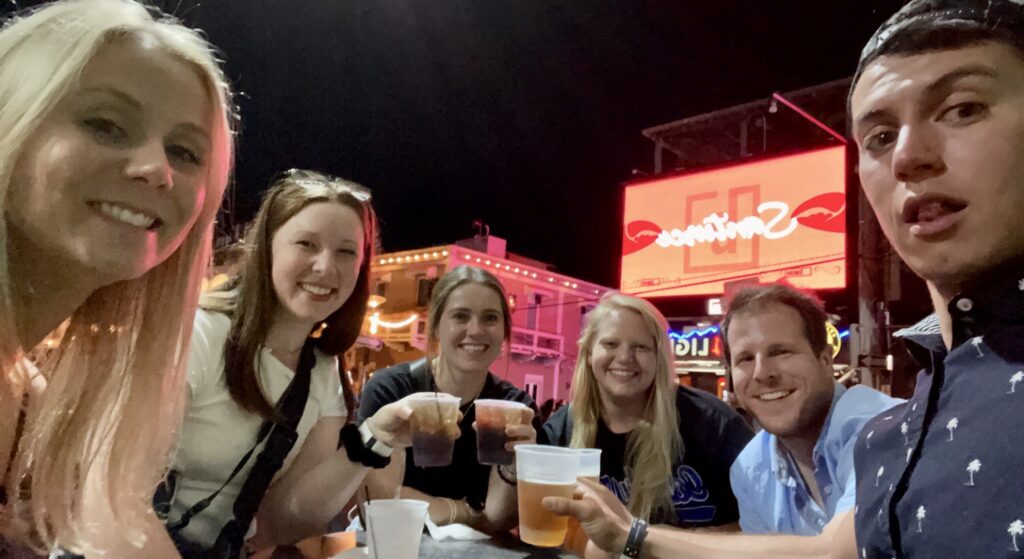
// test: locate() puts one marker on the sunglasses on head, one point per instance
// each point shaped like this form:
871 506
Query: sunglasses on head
310 179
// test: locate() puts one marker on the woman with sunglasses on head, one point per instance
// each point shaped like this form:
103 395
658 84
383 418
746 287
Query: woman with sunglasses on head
469 320
115 149
297 305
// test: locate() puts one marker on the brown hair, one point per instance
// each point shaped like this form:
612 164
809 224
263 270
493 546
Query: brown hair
806 304
927 25
250 299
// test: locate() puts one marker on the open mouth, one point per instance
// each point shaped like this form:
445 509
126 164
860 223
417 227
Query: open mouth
930 214
317 290
474 349
624 374
126 215
774 395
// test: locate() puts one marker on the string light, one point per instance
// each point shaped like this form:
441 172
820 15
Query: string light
376 323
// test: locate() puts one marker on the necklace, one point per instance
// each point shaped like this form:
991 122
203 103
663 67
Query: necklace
436 371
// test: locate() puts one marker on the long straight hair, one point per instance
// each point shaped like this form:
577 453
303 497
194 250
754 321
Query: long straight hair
99 438
655 445
251 302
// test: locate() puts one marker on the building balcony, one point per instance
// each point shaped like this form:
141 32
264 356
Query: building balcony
531 344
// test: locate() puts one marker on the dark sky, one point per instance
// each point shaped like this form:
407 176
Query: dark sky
526 113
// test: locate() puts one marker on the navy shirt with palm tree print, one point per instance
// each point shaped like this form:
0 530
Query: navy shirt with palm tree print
941 475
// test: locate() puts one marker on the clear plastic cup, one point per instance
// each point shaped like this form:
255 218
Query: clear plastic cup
492 417
435 426
395 528
590 468
544 471
590 463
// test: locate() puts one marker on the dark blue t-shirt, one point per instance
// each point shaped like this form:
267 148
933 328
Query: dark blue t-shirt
713 435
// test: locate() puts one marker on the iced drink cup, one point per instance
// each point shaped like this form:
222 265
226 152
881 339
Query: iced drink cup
395 528
434 420
544 471
492 417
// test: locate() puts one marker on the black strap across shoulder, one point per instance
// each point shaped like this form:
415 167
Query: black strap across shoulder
281 437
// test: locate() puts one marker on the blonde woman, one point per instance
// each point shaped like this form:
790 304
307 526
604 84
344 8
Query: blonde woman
115 149
666 449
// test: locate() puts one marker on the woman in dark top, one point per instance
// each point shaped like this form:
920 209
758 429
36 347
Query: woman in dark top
666 449
469 321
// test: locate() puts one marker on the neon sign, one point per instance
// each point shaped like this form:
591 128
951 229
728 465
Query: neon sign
777 219
716 228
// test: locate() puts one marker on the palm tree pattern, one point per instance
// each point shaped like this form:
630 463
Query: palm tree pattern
1014 380
973 468
920 519
976 342
1016 529
951 426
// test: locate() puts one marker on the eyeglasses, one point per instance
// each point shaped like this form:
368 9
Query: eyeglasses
312 179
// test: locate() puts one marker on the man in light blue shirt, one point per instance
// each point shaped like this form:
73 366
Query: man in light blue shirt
797 473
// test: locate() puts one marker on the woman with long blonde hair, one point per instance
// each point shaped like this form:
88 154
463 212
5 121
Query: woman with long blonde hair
116 143
666 449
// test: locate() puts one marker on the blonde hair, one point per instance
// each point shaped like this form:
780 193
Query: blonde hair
655 445
98 440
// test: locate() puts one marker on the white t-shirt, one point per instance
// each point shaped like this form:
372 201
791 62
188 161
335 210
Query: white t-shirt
217 432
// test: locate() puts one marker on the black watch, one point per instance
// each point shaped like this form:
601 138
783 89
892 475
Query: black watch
360 450
635 540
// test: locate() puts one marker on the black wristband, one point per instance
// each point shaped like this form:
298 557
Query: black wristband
511 479
357 451
637 533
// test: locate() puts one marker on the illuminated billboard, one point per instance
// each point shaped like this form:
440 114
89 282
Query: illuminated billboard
782 218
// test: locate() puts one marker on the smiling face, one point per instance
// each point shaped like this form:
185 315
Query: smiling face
623 357
776 375
315 262
114 178
471 329
941 140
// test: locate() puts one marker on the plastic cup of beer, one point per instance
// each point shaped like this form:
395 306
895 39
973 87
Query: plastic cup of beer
492 417
590 468
544 471
434 418
590 463
395 527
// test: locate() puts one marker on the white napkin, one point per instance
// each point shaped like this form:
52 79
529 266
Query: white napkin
453 531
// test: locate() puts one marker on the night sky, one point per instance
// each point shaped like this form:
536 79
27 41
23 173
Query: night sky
525 113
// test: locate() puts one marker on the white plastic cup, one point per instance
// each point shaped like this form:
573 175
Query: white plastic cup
544 471
395 528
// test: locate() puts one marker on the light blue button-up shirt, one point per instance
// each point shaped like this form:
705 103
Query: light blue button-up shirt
771 492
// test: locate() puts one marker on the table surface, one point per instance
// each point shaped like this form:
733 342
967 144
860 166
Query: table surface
503 546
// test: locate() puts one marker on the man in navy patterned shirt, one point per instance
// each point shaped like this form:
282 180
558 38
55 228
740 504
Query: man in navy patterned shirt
937 109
